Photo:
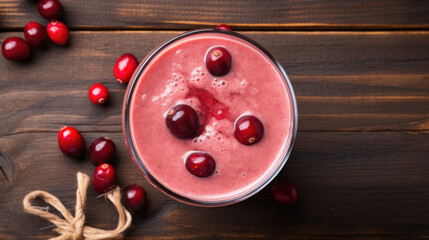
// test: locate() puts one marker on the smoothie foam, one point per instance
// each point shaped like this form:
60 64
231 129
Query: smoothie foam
254 86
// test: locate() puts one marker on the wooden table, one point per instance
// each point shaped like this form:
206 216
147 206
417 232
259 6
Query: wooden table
360 70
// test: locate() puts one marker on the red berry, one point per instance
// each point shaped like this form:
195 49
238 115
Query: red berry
248 130
218 61
102 150
125 67
104 178
15 48
71 141
98 93
223 26
284 193
134 197
200 164
58 32
35 34
182 121
50 9
220 113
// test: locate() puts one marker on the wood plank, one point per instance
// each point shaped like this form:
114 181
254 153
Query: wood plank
344 81
353 185
240 14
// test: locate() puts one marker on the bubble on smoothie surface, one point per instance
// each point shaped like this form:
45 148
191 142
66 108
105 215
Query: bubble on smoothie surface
175 88
197 76
218 83
167 90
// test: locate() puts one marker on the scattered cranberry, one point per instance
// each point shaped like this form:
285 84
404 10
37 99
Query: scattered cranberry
200 164
71 141
284 193
102 150
50 9
248 130
58 32
15 48
104 178
124 67
223 26
98 93
218 61
134 197
35 34
182 120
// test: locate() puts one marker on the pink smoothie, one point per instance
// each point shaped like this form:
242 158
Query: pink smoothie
254 86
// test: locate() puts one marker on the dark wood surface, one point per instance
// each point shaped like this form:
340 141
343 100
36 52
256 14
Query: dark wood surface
241 14
360 70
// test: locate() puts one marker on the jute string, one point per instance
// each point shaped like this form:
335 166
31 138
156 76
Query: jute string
72 228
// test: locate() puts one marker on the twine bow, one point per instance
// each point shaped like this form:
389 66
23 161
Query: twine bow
72 228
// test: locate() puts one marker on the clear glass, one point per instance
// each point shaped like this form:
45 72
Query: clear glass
132 149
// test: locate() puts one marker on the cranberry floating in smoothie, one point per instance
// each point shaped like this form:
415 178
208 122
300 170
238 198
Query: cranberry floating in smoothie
182 121
228 164
248 130
200 164
218 61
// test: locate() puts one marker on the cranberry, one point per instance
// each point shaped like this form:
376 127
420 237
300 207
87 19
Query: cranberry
182 120
284 193
98 93
220 113
200 164
58 32
104 178
71 141
124 67
35 34
102 150
223 26
15 48
50 9
248 130
134 197
218 61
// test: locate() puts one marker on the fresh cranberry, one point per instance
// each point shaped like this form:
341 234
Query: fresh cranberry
124 67
102 150
200 164
248 130
50 9
218 61
35 34
284 192
15 48
223 26
182 120
71 141
98 93
58 32
104 178
220 113
134 197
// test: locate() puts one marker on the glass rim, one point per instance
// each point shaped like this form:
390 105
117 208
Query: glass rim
130 144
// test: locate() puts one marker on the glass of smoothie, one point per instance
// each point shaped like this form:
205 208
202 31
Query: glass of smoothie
233 102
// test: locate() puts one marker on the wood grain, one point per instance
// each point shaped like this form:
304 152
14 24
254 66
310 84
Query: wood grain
360 159
359 185
355 81
240 14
